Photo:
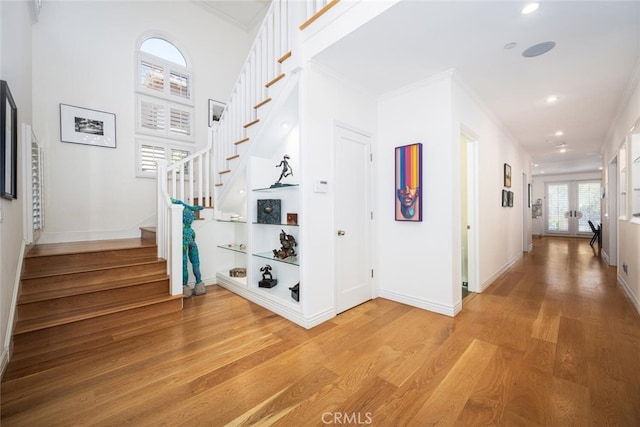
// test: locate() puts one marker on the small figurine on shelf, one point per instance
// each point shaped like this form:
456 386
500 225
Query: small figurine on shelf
288 243
286 171
190 251
267 279
295 292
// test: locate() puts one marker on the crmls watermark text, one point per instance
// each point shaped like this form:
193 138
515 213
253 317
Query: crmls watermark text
356 418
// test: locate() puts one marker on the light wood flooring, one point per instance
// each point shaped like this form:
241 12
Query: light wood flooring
554 341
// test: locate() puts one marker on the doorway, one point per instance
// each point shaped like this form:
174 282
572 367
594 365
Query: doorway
612 214
570 207
469 271
353 217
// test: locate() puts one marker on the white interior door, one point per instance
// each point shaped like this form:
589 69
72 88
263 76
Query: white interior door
352 218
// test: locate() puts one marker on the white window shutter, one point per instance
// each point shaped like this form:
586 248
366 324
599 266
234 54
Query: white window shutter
180 121
152 115
149 155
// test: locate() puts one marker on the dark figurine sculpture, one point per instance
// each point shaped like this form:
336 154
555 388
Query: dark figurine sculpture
286 171
288 243
267 279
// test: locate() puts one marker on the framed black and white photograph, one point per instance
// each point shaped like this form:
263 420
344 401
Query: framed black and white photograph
215 111
505 198
510 198
85 126
8 143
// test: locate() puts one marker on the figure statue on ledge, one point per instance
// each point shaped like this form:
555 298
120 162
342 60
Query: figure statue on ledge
267 279
190 251
288 243
286 171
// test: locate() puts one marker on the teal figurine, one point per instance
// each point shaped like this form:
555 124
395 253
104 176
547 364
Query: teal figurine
190 251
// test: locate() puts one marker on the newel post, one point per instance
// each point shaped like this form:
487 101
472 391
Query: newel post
175 249
161 208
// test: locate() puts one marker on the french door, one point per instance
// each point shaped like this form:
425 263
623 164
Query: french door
570 207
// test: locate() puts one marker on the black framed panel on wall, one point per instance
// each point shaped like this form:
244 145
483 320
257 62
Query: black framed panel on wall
8 143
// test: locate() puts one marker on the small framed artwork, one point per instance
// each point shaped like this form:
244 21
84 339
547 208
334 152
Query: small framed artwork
507 175
215 111
85 126
8 143
505 198
510 198
292 218
408 185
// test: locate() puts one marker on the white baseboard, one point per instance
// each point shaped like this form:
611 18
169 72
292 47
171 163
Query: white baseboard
424 304
605 257
484 285
627 290
289 311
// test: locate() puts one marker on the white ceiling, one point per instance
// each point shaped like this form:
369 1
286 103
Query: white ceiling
245 14
595 60
591 69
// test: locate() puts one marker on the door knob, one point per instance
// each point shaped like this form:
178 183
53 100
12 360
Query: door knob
341 233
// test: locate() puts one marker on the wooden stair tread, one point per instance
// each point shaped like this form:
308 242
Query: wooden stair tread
64 269
261 103
96 287
274 80
82 314
243 140
68 248
251 123
284 57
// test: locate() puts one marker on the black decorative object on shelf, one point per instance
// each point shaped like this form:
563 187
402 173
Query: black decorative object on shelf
267 279
286 171
295 292
288 244
269 211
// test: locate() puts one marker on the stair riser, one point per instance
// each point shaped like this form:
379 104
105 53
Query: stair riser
45 265
90 301
99 323
65 281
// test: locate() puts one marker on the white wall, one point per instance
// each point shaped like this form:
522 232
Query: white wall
15 68
501 229
84 55
415 259
326 100
628 233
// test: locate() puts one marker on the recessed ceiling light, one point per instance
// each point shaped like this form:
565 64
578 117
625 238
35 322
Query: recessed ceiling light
551 99
285 125
559 133
510 45
535 165
531 7
541 171
600 168
563 150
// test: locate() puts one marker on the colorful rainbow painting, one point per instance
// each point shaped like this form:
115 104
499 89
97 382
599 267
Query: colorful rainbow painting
408 190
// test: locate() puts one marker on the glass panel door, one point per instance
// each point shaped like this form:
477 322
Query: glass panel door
558 208
570 206
588 205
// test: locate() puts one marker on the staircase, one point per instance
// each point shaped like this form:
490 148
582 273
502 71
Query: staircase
81 288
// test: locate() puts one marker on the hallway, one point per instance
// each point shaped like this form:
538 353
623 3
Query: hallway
554 341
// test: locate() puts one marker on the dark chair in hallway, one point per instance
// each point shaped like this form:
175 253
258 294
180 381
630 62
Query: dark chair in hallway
596 233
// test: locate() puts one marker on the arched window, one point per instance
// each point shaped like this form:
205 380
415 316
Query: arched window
164 104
